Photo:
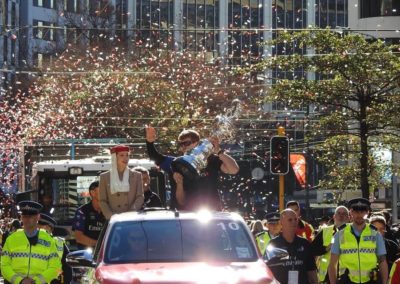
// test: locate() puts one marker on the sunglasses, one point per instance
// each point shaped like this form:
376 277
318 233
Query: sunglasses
185 143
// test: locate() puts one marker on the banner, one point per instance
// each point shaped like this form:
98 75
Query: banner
298 163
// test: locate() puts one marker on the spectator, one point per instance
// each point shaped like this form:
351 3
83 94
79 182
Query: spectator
300 266
47 223
359 248
121 189
151 199
30 255
321 245
392 248
323 222
394 276
12 227
89 220
257 228
304 229
204 191
389 234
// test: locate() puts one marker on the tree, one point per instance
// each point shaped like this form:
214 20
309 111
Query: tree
96 94
357 98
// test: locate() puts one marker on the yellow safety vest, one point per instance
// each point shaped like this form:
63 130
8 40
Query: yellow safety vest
323 260
359 258
263 240
20 259
59 245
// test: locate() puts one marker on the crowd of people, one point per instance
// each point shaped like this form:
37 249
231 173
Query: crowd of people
31 254
354 245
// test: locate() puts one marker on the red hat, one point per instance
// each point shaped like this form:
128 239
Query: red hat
119 148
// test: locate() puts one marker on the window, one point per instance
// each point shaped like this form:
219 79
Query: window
179 240
379 8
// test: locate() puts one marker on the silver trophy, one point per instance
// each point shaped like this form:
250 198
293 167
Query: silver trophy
191 164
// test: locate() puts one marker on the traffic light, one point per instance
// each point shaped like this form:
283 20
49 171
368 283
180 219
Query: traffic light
279 155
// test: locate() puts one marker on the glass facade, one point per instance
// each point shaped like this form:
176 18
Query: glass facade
379 8
232 29
245 19
331 13
200 25
290 14
154 22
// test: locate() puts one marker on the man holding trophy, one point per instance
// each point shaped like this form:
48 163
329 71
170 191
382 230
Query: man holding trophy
195 174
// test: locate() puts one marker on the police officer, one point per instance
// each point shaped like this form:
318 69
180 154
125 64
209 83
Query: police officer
359 248
89 220
48 223
321 245
273 230
29 254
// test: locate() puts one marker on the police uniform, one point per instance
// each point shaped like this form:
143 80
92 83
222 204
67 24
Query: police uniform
319 246
62 250
358 251
33 256
265 237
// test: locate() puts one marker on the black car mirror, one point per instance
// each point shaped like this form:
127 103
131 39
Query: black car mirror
80 258
274 253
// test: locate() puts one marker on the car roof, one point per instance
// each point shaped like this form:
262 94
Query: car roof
173 215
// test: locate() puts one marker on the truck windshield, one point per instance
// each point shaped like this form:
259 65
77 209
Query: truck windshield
62 195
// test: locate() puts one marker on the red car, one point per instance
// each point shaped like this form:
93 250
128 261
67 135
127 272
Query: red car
174 247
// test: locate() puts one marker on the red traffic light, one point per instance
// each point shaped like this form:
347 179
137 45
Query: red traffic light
279 155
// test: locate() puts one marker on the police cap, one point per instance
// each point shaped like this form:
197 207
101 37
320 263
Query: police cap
359 204
47 220
28 207
273 217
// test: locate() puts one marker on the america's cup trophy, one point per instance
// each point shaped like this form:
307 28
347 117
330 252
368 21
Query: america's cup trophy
190 164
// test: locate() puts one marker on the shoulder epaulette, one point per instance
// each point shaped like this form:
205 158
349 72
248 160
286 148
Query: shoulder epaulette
342 227
373 227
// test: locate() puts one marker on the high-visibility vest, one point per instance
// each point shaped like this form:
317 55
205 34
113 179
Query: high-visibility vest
394 276
359 258
20 259
323 260
60 246
263 240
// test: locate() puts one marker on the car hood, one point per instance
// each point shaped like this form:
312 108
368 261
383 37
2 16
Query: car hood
188 272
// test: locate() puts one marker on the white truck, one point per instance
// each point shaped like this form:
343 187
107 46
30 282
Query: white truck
61 186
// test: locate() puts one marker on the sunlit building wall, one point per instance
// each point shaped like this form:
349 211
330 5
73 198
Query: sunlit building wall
229 29
376 18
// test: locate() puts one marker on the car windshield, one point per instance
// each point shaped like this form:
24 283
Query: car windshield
179 240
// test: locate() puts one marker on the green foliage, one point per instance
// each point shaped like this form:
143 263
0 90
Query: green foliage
357 98
96 94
